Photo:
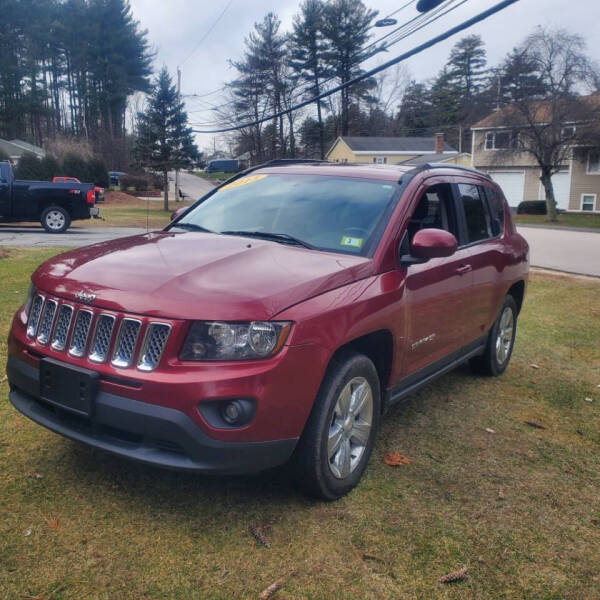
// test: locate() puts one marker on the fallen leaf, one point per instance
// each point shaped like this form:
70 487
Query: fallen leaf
489 430
34 475
580 432
28 532
534 366
4 379
395 459
454 576
500 493
260 537
271 590
588 400
534 425
53 523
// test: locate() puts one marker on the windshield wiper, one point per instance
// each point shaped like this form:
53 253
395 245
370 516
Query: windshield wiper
192 227
282 238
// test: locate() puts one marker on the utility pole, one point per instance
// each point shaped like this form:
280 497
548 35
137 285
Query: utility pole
177 198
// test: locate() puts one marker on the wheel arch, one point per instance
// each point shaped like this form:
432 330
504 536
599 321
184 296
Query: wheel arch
378 346
517 291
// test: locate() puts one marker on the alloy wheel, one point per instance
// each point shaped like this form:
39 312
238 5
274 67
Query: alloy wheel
504 339
350 427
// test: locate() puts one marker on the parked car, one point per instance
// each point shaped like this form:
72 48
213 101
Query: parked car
55 205
114 176
223 165
275 320
99 191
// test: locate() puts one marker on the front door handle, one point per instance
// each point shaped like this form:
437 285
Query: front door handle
464 269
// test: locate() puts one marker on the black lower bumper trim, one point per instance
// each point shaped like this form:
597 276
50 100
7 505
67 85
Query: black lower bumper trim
144 432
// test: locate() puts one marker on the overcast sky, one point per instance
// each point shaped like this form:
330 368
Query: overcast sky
176 26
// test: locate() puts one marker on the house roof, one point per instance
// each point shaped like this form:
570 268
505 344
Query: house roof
510 116
16 148
418 145
431 158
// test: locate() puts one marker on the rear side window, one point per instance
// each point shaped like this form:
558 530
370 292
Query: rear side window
497 210
477 217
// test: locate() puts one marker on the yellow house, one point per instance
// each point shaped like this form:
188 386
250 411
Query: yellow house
393 150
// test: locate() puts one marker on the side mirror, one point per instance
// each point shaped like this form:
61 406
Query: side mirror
177 213
433 243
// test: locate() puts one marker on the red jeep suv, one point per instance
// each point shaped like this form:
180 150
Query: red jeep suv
274 320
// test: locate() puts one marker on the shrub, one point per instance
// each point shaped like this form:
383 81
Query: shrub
97 172
140 182
532 207
75 166
29 167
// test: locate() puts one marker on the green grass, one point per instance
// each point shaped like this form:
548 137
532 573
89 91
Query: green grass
128 531
214 177
563 219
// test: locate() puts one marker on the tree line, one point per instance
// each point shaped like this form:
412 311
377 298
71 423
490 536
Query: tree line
327 45
68 67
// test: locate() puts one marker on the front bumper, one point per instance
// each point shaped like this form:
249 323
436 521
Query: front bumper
144 432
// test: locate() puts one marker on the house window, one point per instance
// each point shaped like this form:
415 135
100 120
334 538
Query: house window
588 202
498 140
380 160
593 166
568 132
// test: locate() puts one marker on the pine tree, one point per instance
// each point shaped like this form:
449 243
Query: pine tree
467 65
346 26
415 111
164 140
307 55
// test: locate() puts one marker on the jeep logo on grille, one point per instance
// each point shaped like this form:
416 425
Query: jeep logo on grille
85 298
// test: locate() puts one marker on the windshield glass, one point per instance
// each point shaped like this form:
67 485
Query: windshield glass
339 214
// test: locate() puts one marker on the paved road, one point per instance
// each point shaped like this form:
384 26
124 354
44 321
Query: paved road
74 236
562 250
191 185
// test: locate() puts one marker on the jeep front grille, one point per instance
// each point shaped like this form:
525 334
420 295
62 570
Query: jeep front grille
45 327
153 346
101 340
126 342
81 329
96 336
61 329
34 315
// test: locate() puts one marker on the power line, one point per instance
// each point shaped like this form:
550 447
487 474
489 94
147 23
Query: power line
417 50
418 22
208 32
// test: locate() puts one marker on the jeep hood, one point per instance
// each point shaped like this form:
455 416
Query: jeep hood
196 275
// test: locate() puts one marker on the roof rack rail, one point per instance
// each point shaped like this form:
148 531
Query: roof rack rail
282 162
428 166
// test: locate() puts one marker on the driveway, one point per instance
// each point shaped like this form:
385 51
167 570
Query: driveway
74 236
564 250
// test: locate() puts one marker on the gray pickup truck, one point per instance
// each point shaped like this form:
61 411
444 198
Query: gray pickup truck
54 205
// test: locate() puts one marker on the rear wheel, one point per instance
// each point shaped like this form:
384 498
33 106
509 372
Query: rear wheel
55 219
500 342
337 441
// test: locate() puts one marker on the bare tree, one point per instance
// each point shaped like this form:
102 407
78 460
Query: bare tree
548 85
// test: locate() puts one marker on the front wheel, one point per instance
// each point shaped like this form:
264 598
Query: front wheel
500 343
55 219
337 441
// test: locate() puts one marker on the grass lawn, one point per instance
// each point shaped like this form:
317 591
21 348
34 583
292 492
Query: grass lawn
564 219
94 526
215 177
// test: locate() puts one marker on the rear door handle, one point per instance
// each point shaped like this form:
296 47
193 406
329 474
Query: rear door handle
464 269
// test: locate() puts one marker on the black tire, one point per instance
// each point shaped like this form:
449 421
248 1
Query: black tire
490 363
55 219
311 464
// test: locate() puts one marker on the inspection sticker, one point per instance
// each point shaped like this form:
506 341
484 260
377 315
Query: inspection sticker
352 242
243 181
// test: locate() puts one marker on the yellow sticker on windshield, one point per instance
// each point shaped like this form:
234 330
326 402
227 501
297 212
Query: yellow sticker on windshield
243 181
352 242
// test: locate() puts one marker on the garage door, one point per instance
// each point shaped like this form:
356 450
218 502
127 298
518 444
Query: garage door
561 182
512 184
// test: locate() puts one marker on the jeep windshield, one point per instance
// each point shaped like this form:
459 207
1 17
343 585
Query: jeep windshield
337 214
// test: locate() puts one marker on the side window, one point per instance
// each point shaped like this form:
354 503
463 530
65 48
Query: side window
476 213
434 211
497 209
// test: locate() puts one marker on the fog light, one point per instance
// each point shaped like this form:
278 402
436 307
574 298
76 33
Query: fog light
232 412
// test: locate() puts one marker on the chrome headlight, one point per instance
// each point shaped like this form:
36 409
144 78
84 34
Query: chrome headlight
219 340
28 300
